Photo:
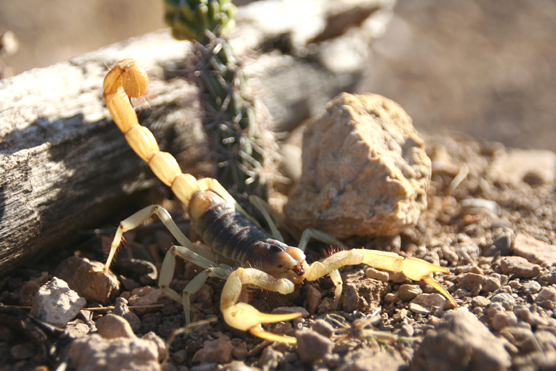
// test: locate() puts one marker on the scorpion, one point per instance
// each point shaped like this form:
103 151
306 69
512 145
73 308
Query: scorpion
238 242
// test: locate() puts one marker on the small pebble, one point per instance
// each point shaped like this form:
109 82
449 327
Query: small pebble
215 351
503 319
377 274
270 359
324 328
519 267
161 344
419 309
506 300
89 279
112 326
400 315
94 353
240 351
472 281
531 287
502 245
390 298
314 297
56 304
121 309
180 356
480 301
406 331
408 292
312 346
515 284
427 302
546 297
495 308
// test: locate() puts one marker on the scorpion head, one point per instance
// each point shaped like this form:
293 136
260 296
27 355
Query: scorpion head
281 261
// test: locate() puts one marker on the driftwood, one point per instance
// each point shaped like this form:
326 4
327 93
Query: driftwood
64 166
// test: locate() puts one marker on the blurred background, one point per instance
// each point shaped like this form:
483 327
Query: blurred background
478 69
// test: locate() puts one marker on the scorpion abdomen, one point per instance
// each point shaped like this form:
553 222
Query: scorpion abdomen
229 232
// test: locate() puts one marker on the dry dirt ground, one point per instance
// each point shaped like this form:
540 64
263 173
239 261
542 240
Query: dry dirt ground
490 220
500 253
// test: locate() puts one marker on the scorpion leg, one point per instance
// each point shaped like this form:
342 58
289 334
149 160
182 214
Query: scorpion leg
242 315
167 273
326 238
142 216
265 210
413 268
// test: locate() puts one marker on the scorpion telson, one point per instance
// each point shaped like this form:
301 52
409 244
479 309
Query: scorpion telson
236 239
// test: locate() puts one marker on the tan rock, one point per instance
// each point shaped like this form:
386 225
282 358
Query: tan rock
536 251
89 279
365 171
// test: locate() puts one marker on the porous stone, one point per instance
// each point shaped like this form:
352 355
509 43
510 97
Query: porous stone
365 170
461 342
362 294
92 353
89 279
55 303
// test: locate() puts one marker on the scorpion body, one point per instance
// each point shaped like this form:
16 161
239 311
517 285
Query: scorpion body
234 236
236 239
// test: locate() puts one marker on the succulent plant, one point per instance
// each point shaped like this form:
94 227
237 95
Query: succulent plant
243 152
190 19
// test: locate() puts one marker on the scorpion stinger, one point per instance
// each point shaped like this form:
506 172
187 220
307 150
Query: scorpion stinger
236 238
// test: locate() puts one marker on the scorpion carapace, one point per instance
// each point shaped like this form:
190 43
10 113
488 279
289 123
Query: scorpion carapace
235 238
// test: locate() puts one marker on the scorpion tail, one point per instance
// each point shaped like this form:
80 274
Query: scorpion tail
126 79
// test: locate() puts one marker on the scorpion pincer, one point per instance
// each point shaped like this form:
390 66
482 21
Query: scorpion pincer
235 238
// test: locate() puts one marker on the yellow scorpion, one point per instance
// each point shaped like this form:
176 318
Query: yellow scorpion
235 238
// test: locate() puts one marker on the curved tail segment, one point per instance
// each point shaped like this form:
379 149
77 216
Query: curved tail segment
126 79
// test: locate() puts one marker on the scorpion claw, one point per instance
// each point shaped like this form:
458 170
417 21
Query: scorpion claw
244 317
258 331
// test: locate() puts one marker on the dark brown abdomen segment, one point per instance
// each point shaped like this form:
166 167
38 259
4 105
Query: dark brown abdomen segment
229 232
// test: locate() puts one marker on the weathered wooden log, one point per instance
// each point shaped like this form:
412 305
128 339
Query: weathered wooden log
64 166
